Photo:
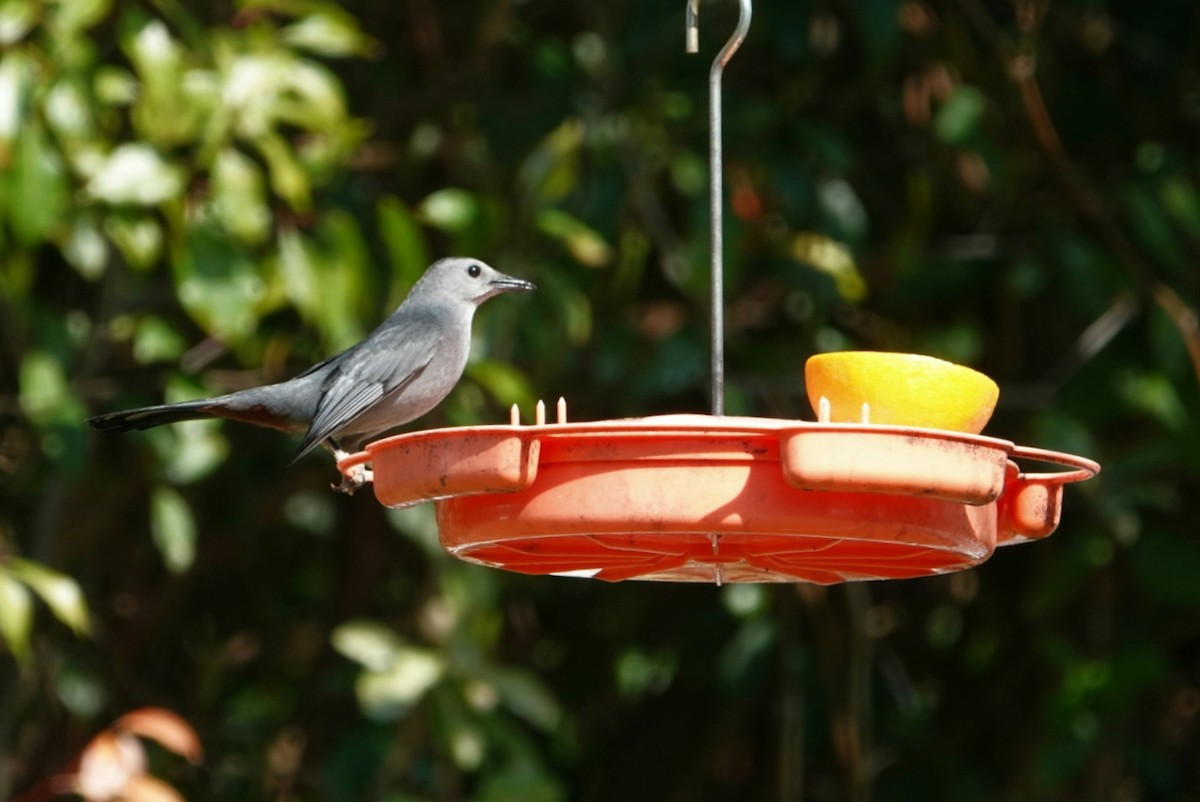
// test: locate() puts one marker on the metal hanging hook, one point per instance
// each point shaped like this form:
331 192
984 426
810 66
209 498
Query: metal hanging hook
716 183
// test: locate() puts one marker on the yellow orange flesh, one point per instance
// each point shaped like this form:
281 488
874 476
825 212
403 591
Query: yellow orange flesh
901 390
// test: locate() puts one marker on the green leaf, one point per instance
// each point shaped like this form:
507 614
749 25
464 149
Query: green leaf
584 244
551 171
138 238
386 695
1155 395
503 382
239 197
190 450
368 643
329 32
60 592
326 285
1181 200
957 120
288 179
451 210
17 18
16 615
39 180
219 285
155 341
16 81
78 15
524 780
526 696
173 528
135 174
404 241
86 249
46 396
834 259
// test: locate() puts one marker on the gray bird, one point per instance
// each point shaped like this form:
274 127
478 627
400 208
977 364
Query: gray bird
397 374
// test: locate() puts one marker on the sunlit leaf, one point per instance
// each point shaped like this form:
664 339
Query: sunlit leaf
219 284
1154 395
16 615
833 259
144 788
173 527
46 395
287 177
328 32
17 18
298 266
136 174
153 50
16 80
191 450
368 643
60 593
86 248
386 695
138 238
169 729
115 86
69 113
107 765
239 196
78 15
155 341
581 241
451 210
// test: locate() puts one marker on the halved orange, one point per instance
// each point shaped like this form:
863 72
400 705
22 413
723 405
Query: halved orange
900 390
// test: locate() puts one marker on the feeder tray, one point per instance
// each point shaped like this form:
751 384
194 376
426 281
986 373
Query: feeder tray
700 498
894 489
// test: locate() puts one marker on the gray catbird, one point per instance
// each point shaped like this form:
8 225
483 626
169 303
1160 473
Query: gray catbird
398 373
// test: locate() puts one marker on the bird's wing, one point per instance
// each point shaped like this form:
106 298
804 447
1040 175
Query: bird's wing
383 364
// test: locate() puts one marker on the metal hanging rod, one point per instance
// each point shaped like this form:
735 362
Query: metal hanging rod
716 184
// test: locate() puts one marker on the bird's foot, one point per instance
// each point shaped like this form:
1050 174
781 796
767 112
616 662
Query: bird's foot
356 477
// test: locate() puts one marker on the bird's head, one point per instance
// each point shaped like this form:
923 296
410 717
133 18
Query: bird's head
464 280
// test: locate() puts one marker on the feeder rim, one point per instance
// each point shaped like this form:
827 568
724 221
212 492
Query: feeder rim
1082 468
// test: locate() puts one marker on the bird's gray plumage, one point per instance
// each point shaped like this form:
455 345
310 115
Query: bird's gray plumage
401 370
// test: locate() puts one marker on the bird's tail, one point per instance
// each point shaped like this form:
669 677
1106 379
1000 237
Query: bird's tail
147 417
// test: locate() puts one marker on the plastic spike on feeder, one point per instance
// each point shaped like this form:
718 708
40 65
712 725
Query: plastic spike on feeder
892 481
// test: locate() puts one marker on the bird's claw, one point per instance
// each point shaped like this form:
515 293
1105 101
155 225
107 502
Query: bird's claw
354 478
352 481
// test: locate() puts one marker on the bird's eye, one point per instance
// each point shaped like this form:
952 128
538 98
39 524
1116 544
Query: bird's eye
474 270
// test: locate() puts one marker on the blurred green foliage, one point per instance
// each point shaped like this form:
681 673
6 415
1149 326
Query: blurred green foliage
200 197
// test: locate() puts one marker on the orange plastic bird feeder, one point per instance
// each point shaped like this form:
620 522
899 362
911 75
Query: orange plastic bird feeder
892 481
699 498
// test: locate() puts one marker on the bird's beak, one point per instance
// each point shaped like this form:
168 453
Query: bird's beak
503 283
